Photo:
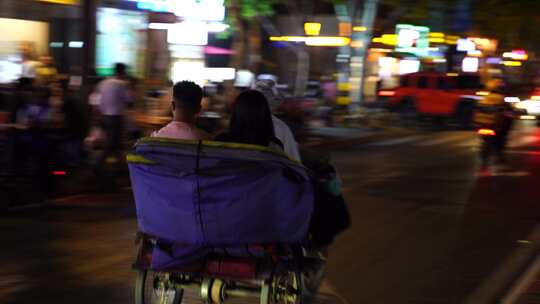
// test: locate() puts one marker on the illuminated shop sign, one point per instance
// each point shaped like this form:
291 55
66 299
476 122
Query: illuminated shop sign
188 32
412 39
201 10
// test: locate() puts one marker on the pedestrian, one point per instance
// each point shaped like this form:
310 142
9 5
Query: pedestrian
268 88
186 105
113 97
46 72
493 112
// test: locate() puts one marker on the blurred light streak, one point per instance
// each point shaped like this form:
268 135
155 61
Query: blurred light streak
486 132
387 93
380 50
493 60
482 93
359 28
216 27
56 45
437 40
512 63
470 64
288 38
327 41
512 99
357 44
436 34
65 2
188 32
465 45
516 55
475 53
76 44
407 66
159 26
388 39
527 117
219 74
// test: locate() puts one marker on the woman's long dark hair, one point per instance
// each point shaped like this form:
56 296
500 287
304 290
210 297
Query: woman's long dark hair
251 119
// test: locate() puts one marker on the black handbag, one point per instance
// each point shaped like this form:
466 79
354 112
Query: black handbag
330 213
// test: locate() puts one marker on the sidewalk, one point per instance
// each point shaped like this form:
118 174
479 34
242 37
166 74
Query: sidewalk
341 132
353 133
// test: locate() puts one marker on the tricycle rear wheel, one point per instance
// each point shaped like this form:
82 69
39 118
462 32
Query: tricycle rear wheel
285 288
156 288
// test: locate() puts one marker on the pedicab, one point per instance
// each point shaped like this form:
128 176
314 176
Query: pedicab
229 220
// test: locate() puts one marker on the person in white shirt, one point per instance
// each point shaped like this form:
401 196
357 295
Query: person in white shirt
112 98
268 88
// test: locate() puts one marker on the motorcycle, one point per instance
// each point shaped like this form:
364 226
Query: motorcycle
488 146
493 132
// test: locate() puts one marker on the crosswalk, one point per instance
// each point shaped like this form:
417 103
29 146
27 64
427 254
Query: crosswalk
460 139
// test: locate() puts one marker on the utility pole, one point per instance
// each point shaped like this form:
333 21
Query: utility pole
343 57
89 36
361 39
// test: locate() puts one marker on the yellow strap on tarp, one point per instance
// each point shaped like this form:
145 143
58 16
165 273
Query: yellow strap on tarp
215 144
139 159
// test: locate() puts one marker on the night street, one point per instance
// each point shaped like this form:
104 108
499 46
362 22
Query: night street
427 228
269 152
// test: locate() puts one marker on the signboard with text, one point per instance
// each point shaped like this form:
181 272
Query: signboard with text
412 39
199 10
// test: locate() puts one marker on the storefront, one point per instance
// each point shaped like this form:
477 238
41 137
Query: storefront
120 37
159 40
34 29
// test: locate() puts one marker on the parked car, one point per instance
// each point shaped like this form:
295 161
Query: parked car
448 95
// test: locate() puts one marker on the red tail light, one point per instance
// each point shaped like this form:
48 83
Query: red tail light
387 93
486 132
59 173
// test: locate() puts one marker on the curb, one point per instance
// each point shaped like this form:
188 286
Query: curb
510 279
378 131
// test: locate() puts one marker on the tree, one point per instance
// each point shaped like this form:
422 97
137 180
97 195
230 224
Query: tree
513 23
247 17
244 24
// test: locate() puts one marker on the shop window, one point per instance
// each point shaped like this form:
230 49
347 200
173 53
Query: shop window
442 83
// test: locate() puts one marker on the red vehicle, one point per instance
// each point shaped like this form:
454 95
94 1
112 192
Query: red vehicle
436 94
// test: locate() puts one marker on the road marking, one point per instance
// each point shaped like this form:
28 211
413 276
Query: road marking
443 140
395 141
530 153
473 142
522 141
499 281
524 282
495 173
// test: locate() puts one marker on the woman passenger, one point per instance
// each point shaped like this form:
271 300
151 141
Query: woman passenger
251 122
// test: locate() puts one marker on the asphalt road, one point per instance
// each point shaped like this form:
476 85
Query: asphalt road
427 227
